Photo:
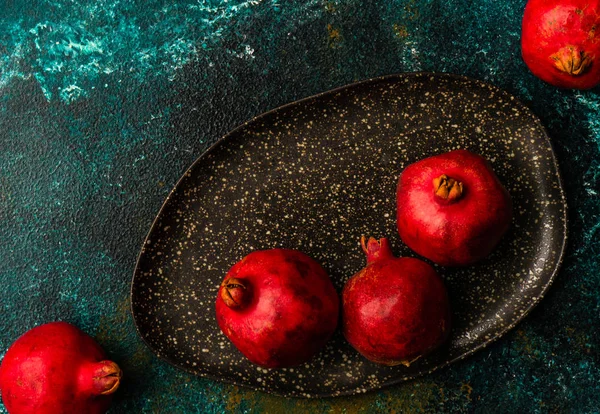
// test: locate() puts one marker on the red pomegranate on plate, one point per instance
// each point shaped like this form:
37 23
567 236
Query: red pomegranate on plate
452 208
395 310
278 307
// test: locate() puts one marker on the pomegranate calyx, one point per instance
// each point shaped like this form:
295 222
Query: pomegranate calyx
572 60
106 378
447 189
376 249
234 293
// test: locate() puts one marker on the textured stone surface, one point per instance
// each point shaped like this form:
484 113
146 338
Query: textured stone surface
104 104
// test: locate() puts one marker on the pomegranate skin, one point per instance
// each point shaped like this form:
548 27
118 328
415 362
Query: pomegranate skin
560 41
395 310
455 231
278 307
56 368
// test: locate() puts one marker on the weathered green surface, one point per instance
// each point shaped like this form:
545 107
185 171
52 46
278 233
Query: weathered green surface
104 104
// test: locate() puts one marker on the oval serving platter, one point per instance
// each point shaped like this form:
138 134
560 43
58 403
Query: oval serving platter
317 174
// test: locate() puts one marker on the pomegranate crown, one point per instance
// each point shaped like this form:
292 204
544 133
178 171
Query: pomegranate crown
447 189
101 378
376 249
235 293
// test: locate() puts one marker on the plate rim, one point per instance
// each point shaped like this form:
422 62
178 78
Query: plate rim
400 379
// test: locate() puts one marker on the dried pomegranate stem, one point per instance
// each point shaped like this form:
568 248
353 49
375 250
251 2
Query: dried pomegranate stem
571 60
447 188
234 292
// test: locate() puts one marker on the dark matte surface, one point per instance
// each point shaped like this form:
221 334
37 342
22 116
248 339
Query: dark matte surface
314 176
104 105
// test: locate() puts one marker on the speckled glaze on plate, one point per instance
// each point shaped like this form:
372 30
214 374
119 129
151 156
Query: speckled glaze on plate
317 174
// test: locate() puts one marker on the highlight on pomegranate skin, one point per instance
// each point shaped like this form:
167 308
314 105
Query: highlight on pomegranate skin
452 208
56 368
395 310
278 307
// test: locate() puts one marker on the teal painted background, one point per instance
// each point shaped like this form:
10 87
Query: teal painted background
104 104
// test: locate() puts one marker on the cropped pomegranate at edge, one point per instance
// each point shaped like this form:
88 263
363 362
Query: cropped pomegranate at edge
560 41
278 307
395 310
452 208
56 368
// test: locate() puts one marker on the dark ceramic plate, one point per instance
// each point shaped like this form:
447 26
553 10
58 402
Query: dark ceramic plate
317 174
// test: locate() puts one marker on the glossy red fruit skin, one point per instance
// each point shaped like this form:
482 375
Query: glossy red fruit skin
56 368
560 41
290 308
395 310
457 233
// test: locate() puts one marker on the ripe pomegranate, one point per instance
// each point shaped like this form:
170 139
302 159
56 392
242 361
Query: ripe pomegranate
452 209
560 41
278 307
57 369
395 310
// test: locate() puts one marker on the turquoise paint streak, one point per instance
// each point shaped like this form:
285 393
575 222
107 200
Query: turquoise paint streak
69 47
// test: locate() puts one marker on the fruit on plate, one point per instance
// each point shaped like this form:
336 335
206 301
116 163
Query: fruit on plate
452 208
56 368
278 307
560 41
395 310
